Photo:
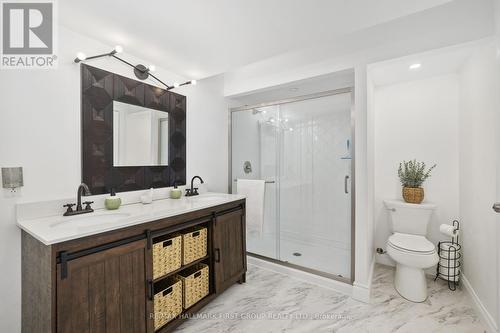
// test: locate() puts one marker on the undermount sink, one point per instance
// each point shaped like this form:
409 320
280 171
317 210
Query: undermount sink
207 198
86 220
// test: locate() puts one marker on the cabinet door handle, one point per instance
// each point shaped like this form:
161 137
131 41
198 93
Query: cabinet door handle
150 290
217 255
345 184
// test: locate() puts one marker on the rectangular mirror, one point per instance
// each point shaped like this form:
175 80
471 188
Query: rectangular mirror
133 133
140 136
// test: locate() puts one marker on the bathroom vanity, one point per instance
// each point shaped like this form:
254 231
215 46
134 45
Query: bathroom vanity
94 273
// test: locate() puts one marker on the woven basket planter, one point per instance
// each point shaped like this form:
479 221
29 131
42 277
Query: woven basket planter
414 195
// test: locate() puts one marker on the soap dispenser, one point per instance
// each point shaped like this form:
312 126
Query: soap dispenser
175 193
113 201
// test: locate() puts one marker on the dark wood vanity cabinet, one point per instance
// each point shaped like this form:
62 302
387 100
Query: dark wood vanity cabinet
104 283
229 249
104 291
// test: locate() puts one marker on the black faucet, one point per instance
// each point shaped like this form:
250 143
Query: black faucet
83 189
193 190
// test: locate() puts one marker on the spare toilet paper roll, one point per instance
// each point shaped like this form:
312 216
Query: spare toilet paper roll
449 274
448 230
445 255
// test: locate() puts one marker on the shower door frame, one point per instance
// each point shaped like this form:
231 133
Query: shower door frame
347 90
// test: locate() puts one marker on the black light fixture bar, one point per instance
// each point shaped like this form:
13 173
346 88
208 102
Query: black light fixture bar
141 72
93 57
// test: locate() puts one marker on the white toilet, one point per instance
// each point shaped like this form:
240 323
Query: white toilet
410 249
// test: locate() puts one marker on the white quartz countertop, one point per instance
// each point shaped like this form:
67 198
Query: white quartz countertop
57 228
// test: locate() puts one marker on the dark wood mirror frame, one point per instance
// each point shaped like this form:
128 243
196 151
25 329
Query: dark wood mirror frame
99 88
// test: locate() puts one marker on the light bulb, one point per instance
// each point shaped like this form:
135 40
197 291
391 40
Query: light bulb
118 49
415 66
176 84
81 56
152 68
193 82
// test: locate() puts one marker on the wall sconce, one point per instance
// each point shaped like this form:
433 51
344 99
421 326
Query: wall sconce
12 178
141 72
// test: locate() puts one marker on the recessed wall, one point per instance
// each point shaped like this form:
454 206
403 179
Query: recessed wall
416 120
451 120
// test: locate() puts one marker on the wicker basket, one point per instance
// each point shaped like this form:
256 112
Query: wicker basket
194 245
194 284
167 301
166 255
413 195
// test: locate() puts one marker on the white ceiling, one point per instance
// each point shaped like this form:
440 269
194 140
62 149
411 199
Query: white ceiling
200 38
437 62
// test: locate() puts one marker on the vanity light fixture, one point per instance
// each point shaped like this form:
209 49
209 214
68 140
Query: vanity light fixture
81 56
141 72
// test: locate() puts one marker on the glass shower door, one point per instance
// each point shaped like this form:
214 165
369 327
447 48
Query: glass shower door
254 156
314 178
302 149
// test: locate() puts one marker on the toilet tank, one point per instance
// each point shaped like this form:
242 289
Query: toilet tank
409 218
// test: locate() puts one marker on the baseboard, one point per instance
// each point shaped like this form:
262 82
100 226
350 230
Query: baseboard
485 317
321 281
361 291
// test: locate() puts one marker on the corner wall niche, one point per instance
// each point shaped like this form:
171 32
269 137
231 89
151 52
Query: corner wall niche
99 89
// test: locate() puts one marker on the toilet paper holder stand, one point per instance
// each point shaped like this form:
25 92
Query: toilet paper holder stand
449 252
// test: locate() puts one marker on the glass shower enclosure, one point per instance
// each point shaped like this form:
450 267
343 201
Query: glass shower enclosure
303 149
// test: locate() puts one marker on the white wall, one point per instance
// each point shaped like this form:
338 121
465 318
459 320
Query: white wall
478 128
207 133
496 8
40 131
417 119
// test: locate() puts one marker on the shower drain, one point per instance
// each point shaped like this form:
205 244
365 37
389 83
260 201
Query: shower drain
297 254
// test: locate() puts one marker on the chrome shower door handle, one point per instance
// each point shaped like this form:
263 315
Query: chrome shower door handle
496 207
346 190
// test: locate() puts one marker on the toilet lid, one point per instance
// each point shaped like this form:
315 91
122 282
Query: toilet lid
413 243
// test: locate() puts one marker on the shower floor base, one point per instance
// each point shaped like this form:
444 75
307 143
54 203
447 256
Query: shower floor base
327 259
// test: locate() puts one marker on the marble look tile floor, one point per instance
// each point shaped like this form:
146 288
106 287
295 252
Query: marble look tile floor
270 302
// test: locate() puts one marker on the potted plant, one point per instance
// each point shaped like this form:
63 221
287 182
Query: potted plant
412 175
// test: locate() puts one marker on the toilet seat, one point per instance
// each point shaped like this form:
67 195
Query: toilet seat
411 244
